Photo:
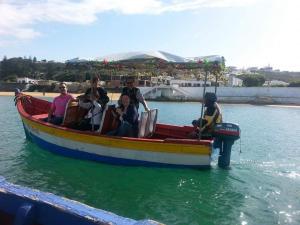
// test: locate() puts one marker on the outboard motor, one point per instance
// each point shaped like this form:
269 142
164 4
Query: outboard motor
225 134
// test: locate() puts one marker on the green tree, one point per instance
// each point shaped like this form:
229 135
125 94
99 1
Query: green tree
11 78
252 80
3 68
295 84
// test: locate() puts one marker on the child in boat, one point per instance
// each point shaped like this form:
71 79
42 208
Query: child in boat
128 116
212 115
58 106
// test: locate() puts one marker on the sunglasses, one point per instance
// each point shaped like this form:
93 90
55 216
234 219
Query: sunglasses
62 87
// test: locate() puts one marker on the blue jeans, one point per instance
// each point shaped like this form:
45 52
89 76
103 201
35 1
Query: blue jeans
124 130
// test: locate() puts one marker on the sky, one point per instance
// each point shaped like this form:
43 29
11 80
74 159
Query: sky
246 32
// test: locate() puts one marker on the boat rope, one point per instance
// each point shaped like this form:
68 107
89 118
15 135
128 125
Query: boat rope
23 98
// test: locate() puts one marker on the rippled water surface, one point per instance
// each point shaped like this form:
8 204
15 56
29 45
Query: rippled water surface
262 186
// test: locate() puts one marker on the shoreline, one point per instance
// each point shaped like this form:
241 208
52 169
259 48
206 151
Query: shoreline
230 102
115 97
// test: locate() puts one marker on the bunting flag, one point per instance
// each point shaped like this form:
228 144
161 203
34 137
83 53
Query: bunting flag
105 62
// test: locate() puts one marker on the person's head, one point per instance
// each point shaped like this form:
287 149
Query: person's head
209 99
130 82
95 81
125 100
62 88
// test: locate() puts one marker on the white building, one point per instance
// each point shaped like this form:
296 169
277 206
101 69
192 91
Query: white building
252 69
266 69
188 83
233 81
161 80
26 80
271 83
76 60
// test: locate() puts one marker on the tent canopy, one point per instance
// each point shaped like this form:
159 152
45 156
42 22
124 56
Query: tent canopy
158 55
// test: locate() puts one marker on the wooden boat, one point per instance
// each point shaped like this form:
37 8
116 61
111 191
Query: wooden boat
157 144
20 205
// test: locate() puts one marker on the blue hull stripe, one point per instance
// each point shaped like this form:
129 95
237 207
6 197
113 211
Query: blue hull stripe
105 159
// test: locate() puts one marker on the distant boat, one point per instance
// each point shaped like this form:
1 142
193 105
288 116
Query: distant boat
157 145
24 206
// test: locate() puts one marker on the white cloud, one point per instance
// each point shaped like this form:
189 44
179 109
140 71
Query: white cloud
19 17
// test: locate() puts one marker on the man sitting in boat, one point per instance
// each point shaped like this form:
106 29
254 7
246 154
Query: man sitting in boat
134 94
103 98
128 116
58 106
212 115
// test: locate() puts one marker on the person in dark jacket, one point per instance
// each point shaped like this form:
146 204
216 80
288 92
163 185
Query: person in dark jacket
134 94
128 117
103 98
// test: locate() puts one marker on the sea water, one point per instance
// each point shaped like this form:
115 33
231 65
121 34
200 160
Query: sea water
261 187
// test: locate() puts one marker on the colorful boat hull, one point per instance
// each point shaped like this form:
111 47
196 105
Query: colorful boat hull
116 150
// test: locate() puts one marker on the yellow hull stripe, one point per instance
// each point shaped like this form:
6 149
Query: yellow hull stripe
119 142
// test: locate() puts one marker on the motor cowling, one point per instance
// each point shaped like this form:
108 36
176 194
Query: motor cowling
225 134
227 131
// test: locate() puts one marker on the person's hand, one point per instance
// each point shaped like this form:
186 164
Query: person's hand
115 115
119 111
147 109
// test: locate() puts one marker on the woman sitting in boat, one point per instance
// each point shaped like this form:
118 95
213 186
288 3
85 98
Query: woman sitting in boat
212 115
58 106
128 117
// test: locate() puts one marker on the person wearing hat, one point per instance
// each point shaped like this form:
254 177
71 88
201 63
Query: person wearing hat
212 115
134 94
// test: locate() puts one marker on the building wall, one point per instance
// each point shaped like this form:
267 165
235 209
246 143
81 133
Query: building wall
259 95
234 81
189 83
12 86
26 80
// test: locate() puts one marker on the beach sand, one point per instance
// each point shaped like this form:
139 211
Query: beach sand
112 96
